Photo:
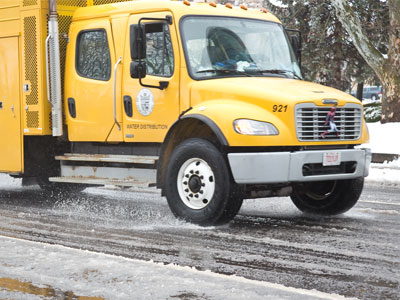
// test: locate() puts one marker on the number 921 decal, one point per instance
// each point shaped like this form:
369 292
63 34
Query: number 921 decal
279 108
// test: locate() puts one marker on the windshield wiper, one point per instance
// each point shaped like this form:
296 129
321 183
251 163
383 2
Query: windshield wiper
279 71
227 71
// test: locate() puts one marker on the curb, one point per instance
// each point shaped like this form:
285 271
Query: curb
384 157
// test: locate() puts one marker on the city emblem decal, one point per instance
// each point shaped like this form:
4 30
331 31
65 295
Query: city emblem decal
145 102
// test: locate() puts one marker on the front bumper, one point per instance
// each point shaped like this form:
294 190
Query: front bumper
300 166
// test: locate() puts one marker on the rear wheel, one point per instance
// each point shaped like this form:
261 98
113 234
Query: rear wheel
198 185
327 197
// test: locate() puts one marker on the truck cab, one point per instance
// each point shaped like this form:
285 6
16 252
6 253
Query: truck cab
206 102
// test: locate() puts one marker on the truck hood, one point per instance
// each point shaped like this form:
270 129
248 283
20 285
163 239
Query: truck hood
265 90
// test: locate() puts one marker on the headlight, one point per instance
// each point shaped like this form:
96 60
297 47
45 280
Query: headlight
251 127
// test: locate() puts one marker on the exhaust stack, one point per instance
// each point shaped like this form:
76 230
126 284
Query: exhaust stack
53 70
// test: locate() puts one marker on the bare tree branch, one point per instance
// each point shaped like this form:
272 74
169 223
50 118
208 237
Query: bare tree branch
365 47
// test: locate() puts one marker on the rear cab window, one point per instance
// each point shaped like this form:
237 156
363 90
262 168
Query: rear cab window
93 58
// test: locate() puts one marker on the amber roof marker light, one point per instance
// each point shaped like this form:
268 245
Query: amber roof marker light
244 7
228 5
186 3
264 10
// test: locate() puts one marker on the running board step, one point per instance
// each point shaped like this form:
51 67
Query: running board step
111 158
101 181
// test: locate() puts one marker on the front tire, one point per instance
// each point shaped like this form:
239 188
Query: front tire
327 197
198 185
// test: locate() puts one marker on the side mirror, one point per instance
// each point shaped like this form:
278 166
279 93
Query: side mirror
138 42
138 69
295 41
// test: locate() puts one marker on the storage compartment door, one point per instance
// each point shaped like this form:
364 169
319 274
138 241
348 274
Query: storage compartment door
10 115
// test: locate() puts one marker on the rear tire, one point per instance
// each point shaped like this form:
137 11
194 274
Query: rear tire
327 197
198 185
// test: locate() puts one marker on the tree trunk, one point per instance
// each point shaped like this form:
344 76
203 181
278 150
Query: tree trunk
360 90
391 99
386 68
391 78
337 48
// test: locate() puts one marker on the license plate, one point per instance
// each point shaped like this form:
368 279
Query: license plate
331 159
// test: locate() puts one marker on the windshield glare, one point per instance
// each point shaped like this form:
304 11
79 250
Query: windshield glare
221 47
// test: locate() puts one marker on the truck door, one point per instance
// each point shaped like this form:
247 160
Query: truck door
89 82
149 112
11 155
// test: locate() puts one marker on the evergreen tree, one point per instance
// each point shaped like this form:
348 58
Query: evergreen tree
329 57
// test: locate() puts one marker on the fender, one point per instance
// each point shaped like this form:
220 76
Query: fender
223 112
210 123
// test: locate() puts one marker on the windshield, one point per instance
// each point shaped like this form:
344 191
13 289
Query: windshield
222 46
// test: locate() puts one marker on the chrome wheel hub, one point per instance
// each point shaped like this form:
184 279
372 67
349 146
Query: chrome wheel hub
196 183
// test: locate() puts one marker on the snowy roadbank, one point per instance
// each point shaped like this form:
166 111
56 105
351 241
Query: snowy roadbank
49 272
386 174
384 138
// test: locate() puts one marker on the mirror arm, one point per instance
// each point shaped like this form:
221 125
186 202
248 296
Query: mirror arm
163 84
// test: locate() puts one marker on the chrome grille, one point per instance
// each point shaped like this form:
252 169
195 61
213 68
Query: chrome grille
310 122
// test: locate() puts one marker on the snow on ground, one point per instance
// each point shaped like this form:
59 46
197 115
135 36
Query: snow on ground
384 138
385 174
31 275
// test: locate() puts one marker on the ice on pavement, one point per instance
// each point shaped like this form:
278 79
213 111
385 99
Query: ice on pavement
54 271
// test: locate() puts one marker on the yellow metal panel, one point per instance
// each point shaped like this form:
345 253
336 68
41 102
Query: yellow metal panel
9 18
8 3
225 100
93 98
151 126
177 7
32 72
10 114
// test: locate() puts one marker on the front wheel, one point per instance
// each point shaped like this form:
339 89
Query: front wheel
198 185
327 197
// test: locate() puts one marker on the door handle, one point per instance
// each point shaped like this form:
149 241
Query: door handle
12 110
128 106
72 107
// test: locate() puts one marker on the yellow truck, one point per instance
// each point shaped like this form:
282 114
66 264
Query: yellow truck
202 100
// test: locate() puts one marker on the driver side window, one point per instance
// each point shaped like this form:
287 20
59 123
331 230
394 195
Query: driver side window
159 52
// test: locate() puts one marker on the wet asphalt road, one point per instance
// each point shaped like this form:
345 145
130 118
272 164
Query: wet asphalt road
355 255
